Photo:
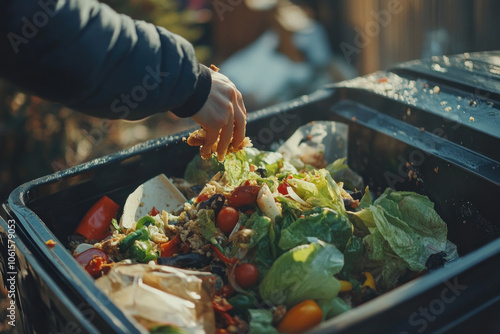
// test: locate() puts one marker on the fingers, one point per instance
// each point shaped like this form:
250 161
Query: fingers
210 141
225 135
240 122
223 117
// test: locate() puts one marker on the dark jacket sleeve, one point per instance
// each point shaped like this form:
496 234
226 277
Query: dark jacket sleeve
82 54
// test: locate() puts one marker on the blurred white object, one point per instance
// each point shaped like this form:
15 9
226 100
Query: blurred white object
154 294
268 76
327 139
158 192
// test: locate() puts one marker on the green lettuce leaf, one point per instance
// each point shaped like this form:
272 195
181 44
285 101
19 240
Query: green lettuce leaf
333 307
200 171
353 254
341 172
261 240
404 231
325 224
304 272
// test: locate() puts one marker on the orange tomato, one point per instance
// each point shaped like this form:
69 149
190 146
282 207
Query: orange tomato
301 318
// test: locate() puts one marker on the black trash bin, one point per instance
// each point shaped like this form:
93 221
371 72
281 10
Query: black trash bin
430 126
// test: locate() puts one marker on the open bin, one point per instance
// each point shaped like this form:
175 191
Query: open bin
403 133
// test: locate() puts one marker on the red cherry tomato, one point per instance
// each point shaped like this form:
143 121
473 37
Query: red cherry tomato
227 219
246 275
96 221
243 195
92 260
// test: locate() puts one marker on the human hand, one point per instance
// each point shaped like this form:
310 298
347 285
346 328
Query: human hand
222 117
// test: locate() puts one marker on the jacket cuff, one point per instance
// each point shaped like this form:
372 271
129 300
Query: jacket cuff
196 100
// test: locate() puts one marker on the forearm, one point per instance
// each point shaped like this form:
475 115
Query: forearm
92 59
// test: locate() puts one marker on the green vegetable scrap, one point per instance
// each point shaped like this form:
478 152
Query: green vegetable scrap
304 272
205 223
144 222
319 190
325 224
404 231
128 241
141 251
333 307
261 321
200 171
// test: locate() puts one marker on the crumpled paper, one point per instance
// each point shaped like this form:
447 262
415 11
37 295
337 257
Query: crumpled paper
156 295
317 143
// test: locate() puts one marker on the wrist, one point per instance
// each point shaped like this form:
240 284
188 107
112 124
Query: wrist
199 96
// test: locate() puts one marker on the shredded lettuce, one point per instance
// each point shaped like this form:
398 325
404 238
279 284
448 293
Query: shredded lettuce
205 223
236 168
319 189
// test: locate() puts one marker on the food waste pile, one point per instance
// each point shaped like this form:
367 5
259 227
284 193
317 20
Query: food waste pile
263 242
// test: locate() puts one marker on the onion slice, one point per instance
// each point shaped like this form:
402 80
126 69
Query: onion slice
265 200
296 197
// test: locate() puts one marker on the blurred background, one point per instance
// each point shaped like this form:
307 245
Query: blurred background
272 50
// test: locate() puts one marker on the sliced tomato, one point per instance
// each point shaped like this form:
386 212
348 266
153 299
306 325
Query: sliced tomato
93 260
84 257
96 221
96 266
243 195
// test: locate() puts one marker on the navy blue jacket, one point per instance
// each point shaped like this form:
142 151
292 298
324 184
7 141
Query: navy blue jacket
82 54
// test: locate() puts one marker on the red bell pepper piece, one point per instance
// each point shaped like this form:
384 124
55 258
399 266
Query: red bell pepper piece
221 256
171 247
154 212
96 221
221 304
